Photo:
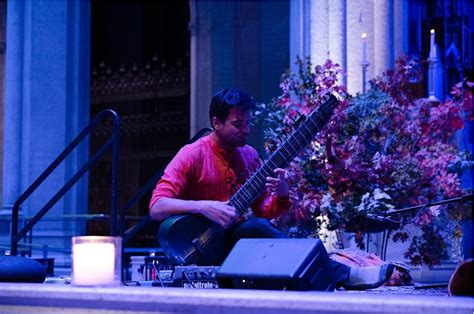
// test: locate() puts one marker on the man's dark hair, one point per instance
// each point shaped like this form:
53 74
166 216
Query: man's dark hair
228 98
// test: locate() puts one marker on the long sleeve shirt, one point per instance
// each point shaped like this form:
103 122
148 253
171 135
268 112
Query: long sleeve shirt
205 171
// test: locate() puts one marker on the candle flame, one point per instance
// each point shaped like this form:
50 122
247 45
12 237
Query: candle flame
363 35
432 31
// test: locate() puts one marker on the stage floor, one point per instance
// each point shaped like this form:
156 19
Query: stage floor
55 298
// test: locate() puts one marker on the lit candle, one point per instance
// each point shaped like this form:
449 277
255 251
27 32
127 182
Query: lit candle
93 264
433 82
432 41
432 45
364 47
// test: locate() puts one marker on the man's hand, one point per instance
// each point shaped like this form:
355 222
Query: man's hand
278 184
219 212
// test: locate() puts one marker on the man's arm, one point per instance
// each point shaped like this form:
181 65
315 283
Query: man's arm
219 212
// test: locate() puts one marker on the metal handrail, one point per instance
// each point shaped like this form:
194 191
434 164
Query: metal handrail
127 235
40 247
76 217
112 143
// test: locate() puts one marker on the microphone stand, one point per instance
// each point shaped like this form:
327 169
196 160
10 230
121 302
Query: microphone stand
379 223
464 198
382 223
388 223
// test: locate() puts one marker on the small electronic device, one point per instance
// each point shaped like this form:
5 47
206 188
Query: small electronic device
195 277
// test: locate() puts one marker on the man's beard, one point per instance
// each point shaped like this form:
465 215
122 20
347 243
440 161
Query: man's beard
238 142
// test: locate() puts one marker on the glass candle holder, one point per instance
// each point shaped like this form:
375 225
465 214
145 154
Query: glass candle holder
96 261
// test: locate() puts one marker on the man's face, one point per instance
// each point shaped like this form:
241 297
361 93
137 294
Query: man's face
233 132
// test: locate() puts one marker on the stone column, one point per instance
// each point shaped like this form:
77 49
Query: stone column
360 19
274 41
318 29
319 36
337 34
13 95
400 28
299 30
383 36
247 42
212 56
201 64
3 19
46 102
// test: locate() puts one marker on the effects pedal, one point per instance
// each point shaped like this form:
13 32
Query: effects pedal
196 277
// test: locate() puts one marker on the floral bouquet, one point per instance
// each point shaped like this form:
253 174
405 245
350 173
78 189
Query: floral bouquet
381 150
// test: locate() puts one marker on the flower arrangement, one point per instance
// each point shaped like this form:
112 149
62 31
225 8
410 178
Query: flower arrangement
381 150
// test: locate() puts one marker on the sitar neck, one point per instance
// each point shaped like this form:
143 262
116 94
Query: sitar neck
280 158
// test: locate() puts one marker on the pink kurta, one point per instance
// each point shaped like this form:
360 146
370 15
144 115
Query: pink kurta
205 171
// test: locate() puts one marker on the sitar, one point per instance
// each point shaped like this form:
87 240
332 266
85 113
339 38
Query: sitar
194 239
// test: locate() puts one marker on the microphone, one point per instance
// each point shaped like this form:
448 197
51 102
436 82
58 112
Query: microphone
373 224
383 221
